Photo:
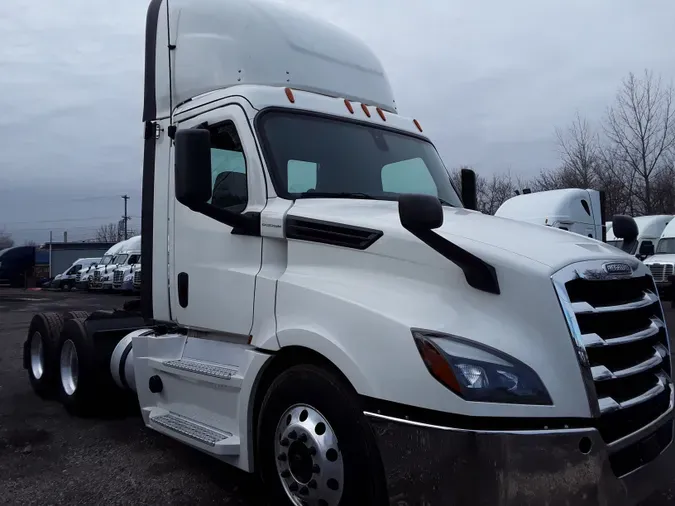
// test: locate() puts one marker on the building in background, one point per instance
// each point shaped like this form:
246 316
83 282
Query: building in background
65 253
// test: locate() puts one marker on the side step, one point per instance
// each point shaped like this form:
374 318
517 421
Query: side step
200 371
185 429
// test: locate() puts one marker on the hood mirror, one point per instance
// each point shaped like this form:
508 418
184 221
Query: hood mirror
420 212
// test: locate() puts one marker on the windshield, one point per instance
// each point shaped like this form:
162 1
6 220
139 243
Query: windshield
120 259
313 156
665 245
106 259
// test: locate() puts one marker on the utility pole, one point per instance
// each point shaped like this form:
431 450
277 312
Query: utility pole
125 218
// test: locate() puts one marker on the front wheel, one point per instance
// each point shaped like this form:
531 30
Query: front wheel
314 445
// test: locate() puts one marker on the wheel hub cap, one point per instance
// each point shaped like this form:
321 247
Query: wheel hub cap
309 462
69 367
37 355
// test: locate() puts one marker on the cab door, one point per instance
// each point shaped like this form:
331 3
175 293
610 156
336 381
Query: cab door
214 268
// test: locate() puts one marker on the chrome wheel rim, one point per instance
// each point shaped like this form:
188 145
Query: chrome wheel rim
309 462
37 355
69 367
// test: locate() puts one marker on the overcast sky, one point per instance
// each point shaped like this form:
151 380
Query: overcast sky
488 79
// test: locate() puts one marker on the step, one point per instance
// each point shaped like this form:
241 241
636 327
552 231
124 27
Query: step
204 371
208 438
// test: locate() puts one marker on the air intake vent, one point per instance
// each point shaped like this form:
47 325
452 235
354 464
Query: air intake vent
326 232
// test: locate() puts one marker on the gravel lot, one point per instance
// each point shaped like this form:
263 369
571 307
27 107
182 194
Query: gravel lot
48 457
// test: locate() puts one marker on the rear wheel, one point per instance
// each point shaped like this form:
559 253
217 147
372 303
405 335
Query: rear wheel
69 315
314 445
40 352
78 384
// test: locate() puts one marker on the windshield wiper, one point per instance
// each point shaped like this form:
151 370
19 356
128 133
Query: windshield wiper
338 195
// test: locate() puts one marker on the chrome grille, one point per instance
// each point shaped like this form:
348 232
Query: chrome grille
622 343
118 277
137 279
97 275
660 272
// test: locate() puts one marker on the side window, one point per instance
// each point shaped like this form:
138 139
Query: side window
75 269
408 176
133 259
228 169
301 176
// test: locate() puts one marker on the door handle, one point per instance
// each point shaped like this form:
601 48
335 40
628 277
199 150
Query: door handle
183 289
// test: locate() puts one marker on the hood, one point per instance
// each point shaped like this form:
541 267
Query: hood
662 258
488 237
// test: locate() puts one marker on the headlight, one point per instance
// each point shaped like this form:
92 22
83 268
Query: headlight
477 372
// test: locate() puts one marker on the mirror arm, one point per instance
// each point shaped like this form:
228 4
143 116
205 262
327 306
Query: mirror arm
478 273
242 224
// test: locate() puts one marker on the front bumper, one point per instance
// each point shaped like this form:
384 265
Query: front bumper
429 465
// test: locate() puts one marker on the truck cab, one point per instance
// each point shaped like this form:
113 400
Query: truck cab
572 209
662 261
103 270
124 264
321 307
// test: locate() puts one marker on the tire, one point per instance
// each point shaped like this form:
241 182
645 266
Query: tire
349 471
79 372
70 315
40 353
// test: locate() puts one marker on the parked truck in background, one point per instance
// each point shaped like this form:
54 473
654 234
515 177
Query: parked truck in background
662 262
101 277
125 261
572 209
319 307
23 266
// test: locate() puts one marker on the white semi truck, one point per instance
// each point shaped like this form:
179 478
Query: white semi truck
320 308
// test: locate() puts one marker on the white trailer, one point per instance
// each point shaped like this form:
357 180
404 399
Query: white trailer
318 306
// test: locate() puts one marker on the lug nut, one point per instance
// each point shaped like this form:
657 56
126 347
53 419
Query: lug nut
282 457
293 435
312 451
285 442
285 473
303 438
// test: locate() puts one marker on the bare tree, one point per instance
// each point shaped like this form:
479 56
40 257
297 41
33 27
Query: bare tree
490 192
579 153
6 240
30 243
640 126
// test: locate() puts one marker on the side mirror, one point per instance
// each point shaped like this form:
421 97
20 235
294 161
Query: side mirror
624 227
646 249
420 212
468 178
193 166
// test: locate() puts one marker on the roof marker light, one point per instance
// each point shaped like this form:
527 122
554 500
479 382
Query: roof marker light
365 109
289 94
417 124
381 113
348 104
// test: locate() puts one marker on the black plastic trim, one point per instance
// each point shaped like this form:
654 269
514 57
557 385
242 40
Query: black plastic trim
465 422
183 289
148 191
327 232
151 25
147 226
478 273
123 363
